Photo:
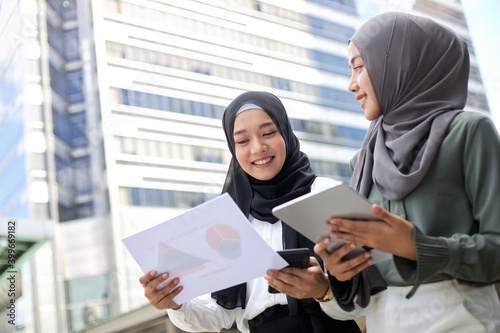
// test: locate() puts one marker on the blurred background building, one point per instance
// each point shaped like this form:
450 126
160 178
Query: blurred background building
110 122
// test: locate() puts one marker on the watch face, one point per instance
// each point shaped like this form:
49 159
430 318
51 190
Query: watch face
330 295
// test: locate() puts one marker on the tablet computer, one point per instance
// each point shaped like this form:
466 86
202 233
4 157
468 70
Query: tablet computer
309 213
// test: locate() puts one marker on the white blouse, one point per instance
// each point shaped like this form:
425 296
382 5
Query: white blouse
202 314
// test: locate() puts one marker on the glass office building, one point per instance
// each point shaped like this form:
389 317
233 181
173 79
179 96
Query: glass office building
111 114
27 234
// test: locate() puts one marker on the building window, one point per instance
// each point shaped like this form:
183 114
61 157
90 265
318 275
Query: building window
169 150
81 172
62 130
71 45
148 197
87 300
74 84
329 169
78 123
12 178
329 97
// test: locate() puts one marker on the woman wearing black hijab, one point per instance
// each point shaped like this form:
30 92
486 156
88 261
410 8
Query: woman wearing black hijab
432 171
267 169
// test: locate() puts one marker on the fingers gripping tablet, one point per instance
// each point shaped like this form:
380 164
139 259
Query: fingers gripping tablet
295 258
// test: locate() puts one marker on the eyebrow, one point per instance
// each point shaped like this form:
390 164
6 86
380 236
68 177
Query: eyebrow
269 123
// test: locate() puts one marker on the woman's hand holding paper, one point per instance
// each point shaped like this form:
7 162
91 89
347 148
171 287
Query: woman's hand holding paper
160 298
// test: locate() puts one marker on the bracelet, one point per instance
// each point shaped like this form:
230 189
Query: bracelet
327 297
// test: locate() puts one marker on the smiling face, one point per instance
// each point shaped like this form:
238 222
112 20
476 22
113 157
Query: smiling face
361 85
259 147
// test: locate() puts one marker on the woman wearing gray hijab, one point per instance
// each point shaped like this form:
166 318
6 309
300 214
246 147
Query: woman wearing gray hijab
432 172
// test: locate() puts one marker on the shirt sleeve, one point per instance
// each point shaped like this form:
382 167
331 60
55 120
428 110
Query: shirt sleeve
202 314
470 258
333 310
344 305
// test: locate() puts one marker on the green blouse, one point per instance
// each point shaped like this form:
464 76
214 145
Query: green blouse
456 213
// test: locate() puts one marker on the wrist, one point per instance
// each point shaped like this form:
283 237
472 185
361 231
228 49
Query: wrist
327 296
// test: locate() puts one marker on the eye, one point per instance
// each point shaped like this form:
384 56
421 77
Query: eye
357 68
269 133
242 142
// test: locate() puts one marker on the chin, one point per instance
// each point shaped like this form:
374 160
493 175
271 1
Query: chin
264 178
371 115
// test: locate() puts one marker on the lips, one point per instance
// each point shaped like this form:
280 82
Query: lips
263 161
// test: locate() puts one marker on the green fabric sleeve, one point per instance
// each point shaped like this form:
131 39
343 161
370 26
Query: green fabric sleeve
470 258
344 292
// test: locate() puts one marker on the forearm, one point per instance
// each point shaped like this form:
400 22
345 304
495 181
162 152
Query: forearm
467 258
202 314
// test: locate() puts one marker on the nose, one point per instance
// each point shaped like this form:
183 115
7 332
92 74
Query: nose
352 86
258 146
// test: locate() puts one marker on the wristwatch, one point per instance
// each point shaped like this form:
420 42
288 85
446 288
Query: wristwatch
327 297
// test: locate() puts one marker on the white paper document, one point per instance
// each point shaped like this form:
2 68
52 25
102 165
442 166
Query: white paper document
210 247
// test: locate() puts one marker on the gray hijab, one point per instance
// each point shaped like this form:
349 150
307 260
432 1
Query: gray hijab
419 71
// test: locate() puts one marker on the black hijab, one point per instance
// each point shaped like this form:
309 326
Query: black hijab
419 70
258 198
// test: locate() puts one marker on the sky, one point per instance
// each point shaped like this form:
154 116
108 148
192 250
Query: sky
484 26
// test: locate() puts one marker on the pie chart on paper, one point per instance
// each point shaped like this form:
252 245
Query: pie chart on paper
225 240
